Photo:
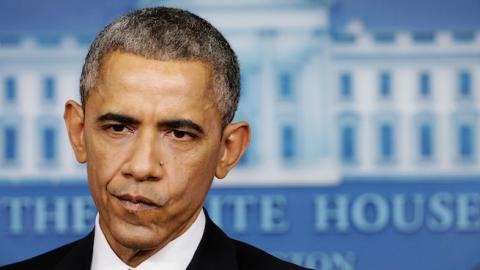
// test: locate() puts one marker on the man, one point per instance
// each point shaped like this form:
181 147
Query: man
159 89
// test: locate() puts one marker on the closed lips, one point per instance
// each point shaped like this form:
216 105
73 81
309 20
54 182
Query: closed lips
136 202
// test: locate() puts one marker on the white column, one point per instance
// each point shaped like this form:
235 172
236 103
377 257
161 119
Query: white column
268 143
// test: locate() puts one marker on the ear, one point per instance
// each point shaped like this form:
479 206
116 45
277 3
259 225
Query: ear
74 120
235 140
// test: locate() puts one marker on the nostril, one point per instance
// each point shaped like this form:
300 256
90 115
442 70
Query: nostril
152 178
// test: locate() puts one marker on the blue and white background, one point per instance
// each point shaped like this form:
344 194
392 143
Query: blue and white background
365 116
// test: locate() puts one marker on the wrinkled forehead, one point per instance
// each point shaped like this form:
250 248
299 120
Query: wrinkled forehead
130 84
104 71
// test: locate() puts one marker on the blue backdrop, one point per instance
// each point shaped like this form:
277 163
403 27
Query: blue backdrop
365 117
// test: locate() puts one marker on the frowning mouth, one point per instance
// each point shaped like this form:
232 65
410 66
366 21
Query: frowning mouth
136 203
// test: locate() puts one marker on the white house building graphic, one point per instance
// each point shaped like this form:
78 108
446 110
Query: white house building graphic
323 103
365 118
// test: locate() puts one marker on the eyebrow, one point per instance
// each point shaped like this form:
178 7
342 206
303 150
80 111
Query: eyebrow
121 118
181 123
173 124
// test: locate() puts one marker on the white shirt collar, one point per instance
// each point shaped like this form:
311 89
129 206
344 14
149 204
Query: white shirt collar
176 255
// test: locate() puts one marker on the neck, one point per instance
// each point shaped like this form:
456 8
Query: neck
133 254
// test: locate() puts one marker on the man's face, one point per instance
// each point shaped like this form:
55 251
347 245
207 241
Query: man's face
152 143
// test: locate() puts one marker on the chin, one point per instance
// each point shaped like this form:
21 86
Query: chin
138 237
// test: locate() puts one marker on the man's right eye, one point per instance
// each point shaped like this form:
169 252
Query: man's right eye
116 128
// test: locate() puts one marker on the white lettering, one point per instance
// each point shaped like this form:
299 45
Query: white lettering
331 210
400 212
441 217
379 213
42 215
272 214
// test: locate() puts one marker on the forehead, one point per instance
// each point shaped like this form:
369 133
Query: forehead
127 68
126 78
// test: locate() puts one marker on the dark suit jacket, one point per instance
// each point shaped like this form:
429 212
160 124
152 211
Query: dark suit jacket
216 251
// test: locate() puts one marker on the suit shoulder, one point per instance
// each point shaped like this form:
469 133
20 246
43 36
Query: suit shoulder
47 260
250 257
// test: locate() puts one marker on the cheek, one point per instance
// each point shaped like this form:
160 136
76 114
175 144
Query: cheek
103 162
190 173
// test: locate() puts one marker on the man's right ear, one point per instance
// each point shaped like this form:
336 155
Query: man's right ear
75 121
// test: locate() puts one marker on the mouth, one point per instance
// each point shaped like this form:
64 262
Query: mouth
136 203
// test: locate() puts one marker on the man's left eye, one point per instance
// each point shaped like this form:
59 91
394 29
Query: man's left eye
182 135
118 128
179 134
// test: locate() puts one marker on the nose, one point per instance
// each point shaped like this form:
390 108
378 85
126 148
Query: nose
144 163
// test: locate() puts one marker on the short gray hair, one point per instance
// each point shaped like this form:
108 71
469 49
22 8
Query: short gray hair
165 34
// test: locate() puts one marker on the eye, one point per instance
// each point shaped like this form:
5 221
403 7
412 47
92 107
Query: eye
179 134
118 128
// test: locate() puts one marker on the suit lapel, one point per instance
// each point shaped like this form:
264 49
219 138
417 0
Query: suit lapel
80 256
215 251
